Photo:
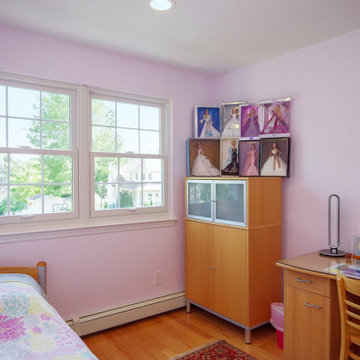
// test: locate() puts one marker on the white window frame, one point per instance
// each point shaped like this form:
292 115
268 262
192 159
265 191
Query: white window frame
57 87
165 106
80 221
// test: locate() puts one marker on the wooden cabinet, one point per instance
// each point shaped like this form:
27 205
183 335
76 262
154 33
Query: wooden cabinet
216 268
199 267
230 270
312 324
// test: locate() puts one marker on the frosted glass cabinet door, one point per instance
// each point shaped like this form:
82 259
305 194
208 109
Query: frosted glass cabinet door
199 199
230 205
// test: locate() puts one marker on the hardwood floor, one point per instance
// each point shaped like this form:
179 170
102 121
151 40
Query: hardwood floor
164 336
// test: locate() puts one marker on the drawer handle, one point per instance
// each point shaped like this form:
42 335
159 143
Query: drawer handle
304 280
212 267
312 306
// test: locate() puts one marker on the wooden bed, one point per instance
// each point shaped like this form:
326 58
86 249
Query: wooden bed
38 272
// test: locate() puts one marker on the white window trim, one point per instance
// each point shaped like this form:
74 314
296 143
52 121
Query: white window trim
83 223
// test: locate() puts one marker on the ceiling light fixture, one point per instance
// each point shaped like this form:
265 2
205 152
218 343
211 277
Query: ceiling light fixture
162 5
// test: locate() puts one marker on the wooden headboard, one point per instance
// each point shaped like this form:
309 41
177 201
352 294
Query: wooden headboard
38 272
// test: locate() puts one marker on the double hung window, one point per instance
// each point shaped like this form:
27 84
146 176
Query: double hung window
37 152
63 144
129 158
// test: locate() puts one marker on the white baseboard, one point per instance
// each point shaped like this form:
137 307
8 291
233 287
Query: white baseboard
107 319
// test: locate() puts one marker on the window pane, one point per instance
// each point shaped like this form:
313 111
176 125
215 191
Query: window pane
105 169
149 118
130 195
152 169
25 169
153 194
24 133
103 139
3 200
3 169
58 169
2 100
106 196
58 198
55 135
25 200
149 142
2 132
127 115
130 169
103 112
55 106
128 140
24 103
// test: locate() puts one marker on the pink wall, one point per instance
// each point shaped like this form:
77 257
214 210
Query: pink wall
91 273
324 81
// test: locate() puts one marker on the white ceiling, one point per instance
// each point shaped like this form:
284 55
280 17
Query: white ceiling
203 35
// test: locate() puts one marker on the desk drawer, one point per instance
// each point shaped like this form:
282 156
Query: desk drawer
314 284
307 323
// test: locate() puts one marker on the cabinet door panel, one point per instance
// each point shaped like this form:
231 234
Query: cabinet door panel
198 253
306 326
199 195
230 205
231 276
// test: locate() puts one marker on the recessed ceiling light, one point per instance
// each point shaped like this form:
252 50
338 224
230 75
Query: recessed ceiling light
162 5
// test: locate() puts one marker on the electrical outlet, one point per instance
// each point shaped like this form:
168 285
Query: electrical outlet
158 277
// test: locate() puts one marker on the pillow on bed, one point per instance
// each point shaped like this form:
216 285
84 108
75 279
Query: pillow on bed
24 278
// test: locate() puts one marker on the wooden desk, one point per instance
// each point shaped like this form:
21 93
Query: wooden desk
312 321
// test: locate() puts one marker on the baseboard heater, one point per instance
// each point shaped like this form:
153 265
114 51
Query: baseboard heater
110 318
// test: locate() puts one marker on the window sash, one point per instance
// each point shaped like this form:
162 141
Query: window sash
45 86
140 181
8 219
133 100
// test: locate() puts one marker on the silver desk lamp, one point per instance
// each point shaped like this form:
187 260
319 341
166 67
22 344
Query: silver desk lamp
333 204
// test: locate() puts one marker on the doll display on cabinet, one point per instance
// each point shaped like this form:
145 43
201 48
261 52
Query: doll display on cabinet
207 122
275 157
275 119
229 157
249 158
250 127
203 157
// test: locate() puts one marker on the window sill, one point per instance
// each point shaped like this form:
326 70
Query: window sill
52 231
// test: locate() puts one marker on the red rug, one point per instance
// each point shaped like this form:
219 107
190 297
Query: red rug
220 350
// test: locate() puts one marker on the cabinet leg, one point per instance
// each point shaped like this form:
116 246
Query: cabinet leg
188 306
247 336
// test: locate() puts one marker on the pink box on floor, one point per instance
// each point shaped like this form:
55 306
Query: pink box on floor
280 339
277 321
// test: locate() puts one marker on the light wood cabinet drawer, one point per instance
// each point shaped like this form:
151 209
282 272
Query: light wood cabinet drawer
307 324
307 282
